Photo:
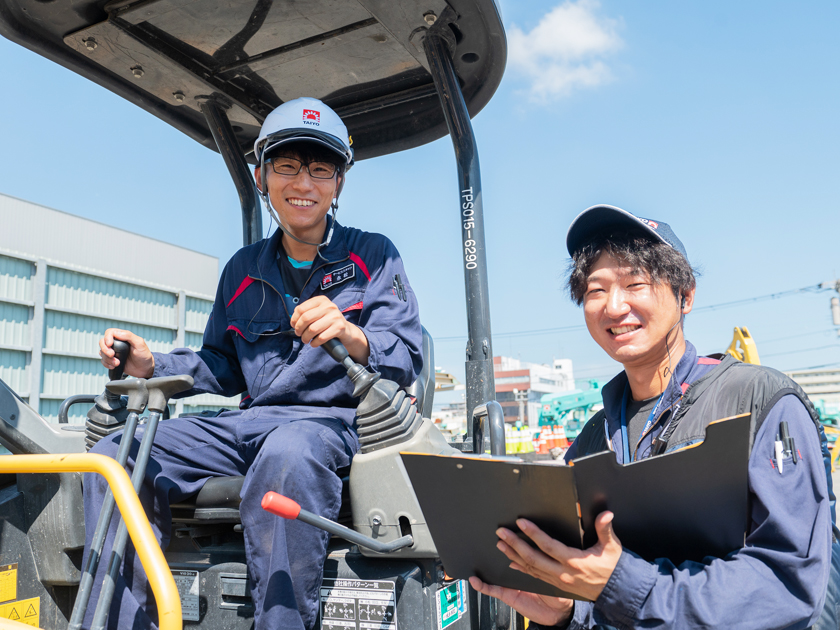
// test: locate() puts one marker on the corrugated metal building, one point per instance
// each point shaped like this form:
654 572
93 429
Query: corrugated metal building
820 384
60 289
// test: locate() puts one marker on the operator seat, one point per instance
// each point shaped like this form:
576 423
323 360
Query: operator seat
423 389
218 500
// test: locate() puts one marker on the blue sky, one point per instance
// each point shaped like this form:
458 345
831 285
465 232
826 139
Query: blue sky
719 118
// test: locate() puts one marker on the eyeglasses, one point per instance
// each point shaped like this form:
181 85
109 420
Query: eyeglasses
291 167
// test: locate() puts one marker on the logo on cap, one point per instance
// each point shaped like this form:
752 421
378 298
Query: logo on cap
648 222
311 117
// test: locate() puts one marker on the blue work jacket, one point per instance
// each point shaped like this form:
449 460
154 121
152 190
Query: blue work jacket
247 347
777 580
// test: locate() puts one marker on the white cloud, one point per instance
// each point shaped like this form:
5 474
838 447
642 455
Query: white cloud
566 50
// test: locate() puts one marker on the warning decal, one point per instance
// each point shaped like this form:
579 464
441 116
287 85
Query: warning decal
358 605
451 604
8 582
26 611
187 583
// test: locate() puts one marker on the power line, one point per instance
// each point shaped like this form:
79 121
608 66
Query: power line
824 347
807 334
519 333
597 370
525 333
759 298
600 376
814 367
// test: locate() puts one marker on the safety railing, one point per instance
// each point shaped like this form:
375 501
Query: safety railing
139 530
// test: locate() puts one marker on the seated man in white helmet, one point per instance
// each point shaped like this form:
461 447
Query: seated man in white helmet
278 300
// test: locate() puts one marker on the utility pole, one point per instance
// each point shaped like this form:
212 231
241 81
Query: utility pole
835 302
521 398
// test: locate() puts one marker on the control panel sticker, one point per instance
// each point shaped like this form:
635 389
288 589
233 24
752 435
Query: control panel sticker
358 605
26 611
451 603
187 583
8 582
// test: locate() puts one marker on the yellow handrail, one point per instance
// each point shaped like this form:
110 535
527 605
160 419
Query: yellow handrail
145 543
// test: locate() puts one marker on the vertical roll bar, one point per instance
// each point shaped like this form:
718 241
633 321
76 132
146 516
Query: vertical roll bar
217 120
489 418
479 364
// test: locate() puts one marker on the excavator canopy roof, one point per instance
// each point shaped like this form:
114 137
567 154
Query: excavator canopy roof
364 58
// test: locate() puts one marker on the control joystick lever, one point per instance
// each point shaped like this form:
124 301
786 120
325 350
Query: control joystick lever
109 413
121 349
362 379
150 395
385 417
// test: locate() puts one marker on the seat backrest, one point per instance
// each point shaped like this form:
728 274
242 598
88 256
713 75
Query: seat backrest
423 389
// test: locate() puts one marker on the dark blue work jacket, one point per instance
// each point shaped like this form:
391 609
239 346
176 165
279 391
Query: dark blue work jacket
246 347
777 580
689 369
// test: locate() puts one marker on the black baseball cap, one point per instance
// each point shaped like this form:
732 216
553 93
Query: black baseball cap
602 218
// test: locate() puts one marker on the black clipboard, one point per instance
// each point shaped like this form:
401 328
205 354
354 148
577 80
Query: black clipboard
689 504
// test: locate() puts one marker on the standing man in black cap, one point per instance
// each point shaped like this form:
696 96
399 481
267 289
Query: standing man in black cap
634 281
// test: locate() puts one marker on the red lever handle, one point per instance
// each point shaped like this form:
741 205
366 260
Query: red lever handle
286 508
280 505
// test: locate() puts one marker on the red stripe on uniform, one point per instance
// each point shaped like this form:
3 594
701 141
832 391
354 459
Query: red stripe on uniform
353 307
232 327
684 387
361 264
245 284
707 361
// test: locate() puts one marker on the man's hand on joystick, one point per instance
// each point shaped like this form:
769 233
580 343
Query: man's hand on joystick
140 361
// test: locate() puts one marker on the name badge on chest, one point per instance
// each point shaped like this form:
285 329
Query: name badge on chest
338 276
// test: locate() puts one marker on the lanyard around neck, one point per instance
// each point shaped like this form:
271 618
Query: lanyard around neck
625 441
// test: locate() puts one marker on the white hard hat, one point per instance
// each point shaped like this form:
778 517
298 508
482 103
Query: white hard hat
304 119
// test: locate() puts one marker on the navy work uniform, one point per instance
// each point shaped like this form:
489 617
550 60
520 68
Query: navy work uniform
292 431
789 555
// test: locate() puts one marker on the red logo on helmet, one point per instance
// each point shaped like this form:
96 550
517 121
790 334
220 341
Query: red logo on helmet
310 115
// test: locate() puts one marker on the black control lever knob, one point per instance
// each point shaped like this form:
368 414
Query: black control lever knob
362 379
121 349
338 352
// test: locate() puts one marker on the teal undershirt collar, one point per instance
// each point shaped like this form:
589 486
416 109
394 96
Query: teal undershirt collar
299 264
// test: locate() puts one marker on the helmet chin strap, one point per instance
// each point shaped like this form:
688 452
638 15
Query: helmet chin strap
274 215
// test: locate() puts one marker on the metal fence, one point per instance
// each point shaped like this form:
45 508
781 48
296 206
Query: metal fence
51 319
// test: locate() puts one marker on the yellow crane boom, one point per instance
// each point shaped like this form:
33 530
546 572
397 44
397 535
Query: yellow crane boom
743 346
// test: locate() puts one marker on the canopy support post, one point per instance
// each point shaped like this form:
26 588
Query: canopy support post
223 134
480 386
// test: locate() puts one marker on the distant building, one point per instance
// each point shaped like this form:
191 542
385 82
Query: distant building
531 381
819 384
445 381
450 410
64 280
